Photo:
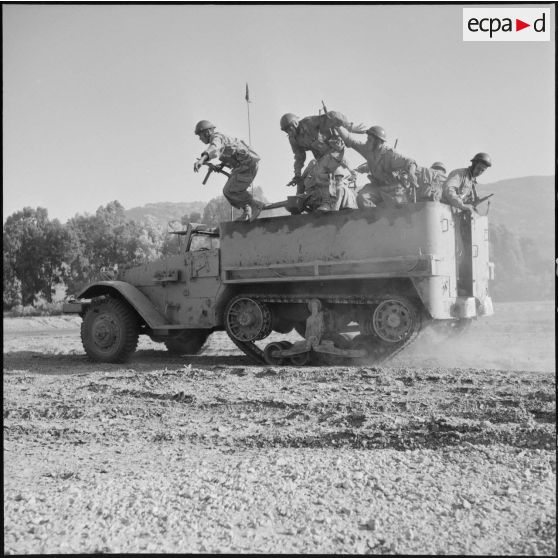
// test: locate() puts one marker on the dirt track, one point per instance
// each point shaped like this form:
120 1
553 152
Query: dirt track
213 454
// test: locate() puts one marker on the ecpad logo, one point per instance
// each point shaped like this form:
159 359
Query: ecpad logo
506 24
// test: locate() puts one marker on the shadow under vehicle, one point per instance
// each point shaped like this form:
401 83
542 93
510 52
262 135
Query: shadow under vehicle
357 285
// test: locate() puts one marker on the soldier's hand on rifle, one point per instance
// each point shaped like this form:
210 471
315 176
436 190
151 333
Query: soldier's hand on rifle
403 178
199 162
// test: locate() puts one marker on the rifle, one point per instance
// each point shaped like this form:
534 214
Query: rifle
214 168
293 204
478 201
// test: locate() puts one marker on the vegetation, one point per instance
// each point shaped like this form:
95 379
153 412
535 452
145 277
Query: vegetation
40 254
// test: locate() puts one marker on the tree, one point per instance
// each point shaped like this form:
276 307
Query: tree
35 250
106 239
195 217
216 211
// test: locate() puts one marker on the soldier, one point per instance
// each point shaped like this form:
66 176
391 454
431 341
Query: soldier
385 166
319 135
429 183
459 188
243 161
307 185
438 165
344 195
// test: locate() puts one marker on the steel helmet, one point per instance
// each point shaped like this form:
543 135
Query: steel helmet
203 125
336 114
287 120
377 132
482 158
439 166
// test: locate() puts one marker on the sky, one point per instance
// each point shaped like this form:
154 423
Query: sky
100 101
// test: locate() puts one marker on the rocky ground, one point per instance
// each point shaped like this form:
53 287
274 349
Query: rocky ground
214 454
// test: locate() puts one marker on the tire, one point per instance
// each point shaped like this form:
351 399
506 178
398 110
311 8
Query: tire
186 344
110 330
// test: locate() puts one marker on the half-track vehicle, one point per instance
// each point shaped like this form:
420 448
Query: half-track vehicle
356 285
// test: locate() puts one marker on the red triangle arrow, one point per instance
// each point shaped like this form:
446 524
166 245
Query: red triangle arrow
519 25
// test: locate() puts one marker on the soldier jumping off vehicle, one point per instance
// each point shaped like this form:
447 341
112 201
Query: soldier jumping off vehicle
459 188
317 134
243 161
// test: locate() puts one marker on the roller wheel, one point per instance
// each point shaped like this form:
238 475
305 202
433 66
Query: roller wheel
302 359
270 351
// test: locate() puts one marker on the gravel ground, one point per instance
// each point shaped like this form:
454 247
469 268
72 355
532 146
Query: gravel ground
211 454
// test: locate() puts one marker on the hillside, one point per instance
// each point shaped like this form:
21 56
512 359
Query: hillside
526 207
163 212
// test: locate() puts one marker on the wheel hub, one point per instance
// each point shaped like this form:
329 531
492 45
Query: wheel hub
105 332
248 320
393 321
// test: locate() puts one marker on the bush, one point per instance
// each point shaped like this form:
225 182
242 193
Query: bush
41 308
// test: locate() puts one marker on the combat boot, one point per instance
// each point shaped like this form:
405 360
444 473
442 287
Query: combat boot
246 213
256 209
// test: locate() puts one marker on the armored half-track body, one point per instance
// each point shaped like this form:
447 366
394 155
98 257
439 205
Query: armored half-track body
356 285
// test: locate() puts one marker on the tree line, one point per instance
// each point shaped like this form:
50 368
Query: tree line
40 253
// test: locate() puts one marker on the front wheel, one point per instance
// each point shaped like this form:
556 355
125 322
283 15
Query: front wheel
110 330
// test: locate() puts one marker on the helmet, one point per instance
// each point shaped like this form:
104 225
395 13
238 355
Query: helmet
377 132
287 120
482 158
203 125
439 166
336 114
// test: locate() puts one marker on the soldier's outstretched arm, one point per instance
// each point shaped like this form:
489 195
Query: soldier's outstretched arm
357 128
299 157
349 140
215 148
412 170
338 119
450 195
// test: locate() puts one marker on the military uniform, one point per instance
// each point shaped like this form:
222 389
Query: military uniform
459 188
430 182
310 187
344 195
384 165
244 164
318 135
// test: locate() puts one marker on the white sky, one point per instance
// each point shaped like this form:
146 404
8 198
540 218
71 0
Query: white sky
100 101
